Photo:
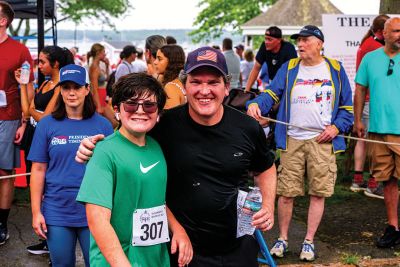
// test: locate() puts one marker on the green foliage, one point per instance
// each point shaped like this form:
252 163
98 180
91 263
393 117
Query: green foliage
220 15
352 259
102 10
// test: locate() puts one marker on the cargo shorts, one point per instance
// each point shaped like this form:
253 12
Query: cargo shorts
307 157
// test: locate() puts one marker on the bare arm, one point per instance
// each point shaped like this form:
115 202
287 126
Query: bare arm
99 224
37 186
49 108
264 218
27 93
94 85
180 240
359 101
253 76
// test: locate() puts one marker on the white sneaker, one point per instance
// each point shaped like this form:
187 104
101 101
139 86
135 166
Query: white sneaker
279 248
307 251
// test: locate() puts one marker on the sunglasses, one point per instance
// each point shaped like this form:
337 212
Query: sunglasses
133 106
390 68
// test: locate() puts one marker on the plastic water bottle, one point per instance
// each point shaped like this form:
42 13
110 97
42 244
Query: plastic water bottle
25 72
251 205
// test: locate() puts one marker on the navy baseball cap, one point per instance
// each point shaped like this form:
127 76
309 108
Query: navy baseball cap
73 73
240 46
206 56
309 30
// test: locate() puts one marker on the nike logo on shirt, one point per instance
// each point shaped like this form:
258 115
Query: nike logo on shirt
147 169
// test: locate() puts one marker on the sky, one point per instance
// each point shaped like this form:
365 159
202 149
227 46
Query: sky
180 14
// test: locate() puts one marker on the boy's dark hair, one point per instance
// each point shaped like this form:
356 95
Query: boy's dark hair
7 12
89 107
170 40
138 85
55 53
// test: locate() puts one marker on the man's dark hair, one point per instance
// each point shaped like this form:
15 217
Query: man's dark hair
127 51
7 12
153 43
138 85
57 54
170 40
60 111
227 44
274 31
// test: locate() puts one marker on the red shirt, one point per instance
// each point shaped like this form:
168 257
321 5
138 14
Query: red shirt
12 55
370 44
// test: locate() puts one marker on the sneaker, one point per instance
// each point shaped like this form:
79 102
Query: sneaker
358 187
4 236
279 248
376 192
389 239
307 251
39 249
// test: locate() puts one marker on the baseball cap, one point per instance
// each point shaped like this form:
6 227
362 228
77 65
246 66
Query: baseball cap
274 31
73 73
240 46
206 56
309 30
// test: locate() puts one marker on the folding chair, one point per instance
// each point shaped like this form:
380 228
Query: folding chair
264 250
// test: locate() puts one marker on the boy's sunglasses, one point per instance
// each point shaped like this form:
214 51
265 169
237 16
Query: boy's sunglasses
390 68
133 106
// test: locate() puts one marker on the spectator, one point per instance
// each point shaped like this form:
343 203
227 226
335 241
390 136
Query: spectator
170 40
274 51
139 65
305 88
153 43
239 49
233 62
246 66
128 56
379 72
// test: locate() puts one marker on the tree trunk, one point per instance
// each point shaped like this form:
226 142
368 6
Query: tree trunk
389 7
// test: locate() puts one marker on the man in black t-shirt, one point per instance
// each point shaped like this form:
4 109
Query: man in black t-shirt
209 155
274 51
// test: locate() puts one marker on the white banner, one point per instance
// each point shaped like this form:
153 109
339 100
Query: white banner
343 34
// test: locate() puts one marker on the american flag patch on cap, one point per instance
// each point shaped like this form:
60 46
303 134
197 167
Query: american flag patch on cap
207 55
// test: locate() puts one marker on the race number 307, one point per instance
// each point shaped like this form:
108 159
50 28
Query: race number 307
151 231
150 226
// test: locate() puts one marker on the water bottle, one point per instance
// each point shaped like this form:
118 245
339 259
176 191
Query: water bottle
251 205
25 72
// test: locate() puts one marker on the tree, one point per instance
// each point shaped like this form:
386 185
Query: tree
76 10
218 15
389 7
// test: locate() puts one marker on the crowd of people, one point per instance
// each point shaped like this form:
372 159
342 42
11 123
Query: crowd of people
166 158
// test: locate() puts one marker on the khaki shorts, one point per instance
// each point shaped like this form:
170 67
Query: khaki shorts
320 162
385 159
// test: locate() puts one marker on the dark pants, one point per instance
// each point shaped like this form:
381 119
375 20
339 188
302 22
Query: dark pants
244 255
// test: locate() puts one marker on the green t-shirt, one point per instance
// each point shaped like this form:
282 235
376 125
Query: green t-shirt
123 177
384 117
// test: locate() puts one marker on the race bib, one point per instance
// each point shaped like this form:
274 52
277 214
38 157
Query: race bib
3 99
150 226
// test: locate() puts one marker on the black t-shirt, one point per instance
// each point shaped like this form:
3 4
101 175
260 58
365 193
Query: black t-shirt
275 61
206 166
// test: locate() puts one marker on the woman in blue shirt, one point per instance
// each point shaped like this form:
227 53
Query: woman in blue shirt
56 177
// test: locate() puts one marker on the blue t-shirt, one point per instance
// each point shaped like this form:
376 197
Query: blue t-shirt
384 117
55 143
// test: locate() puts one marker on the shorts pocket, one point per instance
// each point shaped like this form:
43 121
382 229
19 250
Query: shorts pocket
333 173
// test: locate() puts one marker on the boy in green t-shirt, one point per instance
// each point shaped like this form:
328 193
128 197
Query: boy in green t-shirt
125 182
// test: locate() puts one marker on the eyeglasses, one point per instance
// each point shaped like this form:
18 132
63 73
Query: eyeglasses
391 66
133 106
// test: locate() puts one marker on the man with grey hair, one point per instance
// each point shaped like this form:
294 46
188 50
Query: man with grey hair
314 92
379 72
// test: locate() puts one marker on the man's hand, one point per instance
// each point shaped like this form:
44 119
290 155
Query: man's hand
254 111
263 219
19 134
181 242
85 150
328 134
359 129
